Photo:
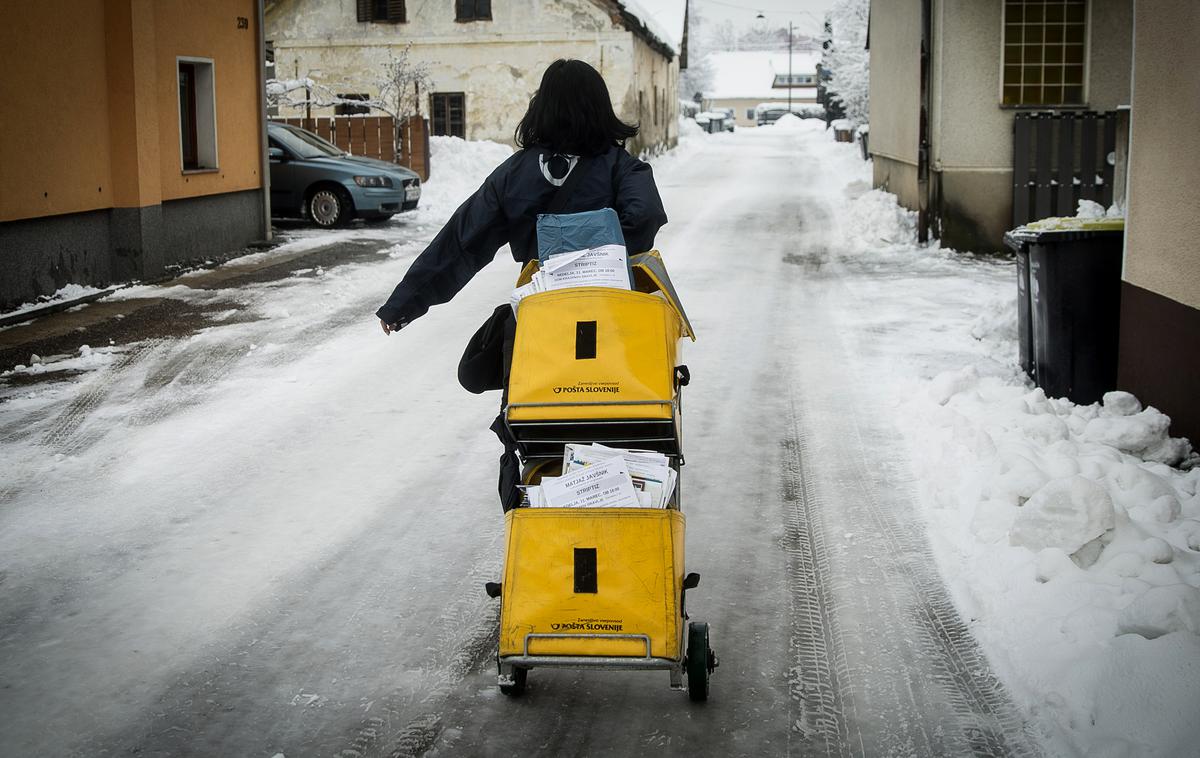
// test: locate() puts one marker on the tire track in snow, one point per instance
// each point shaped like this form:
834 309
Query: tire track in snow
911 677
69 432
817 678
960 669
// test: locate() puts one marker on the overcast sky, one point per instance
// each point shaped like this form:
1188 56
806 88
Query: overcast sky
806 15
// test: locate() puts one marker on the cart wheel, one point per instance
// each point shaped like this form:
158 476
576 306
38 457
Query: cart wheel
700 661
518 683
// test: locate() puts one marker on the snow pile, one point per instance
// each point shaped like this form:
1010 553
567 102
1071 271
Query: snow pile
1092 209
997 320
1069 534
692 139
88 359
69 292
457 168
688 128
1070 529
875 219
790 121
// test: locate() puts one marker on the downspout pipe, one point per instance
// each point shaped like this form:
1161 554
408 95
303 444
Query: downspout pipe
923 191
264 162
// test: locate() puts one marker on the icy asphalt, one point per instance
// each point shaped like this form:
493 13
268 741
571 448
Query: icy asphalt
266 530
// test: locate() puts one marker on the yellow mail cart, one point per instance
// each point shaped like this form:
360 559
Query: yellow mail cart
599 587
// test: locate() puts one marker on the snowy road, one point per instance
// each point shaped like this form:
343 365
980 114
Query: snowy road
271 537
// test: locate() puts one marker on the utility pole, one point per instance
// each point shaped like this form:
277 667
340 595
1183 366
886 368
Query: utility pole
789 66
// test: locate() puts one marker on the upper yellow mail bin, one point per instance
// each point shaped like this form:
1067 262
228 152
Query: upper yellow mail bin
593 582
594 353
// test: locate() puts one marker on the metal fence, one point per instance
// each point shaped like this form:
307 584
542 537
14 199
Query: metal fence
374 137
1060 158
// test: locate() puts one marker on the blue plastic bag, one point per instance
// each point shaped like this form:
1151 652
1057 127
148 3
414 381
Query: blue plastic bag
568 232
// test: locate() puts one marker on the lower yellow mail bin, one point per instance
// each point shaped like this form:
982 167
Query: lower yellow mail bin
593 582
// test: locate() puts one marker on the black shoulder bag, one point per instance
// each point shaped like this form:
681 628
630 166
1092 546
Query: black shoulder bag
483 364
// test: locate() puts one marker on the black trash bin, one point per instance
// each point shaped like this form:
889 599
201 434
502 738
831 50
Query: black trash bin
1074 302
1024 315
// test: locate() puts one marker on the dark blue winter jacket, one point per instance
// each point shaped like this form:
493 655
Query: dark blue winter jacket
505 210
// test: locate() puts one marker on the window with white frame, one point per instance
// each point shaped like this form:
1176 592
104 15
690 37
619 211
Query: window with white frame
1044 52
793 80
197 114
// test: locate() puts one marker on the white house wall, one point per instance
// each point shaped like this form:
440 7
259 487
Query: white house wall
497 64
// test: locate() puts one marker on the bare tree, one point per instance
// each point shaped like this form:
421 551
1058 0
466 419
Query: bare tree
398 89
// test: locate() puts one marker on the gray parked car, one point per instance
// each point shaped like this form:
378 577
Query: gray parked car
314 179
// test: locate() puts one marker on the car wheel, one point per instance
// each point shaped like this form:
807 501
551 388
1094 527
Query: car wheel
329 207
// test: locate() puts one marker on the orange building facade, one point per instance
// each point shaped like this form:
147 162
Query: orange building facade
131 140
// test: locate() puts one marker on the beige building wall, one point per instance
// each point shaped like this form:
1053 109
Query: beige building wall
1162 251
496 64
895 87
743 109
895 92
971 133
1159 357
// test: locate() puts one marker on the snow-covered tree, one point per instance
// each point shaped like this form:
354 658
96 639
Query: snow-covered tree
846 58
397 89
698 76
723 36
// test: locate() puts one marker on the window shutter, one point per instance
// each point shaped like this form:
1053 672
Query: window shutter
483 8
364 10
462 10
396 11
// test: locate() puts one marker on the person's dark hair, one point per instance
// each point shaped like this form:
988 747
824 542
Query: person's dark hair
571 112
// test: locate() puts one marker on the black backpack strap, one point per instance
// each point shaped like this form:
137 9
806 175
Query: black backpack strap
559 201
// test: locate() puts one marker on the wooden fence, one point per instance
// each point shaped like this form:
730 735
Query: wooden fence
374 137
1060 159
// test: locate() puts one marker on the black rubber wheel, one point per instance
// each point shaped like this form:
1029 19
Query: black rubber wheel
699 657
329 207
518 686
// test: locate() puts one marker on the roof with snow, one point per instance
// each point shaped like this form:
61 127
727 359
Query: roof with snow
751 74
661 20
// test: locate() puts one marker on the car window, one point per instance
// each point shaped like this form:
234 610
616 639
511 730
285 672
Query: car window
305 144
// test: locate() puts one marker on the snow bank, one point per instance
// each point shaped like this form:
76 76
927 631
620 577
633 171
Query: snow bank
792 122
1069 534
457 168
87 359
1068 529
69 292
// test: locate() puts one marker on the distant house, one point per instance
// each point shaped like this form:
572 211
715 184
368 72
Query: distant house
947 79
487 58
744 80
133 140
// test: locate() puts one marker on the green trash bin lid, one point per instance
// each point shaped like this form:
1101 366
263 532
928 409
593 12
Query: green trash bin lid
1064 229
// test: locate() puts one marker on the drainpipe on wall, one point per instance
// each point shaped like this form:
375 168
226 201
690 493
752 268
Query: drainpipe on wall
923 199
264 163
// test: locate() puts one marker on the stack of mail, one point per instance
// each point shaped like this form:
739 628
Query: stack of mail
578 250
604 266
595 476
